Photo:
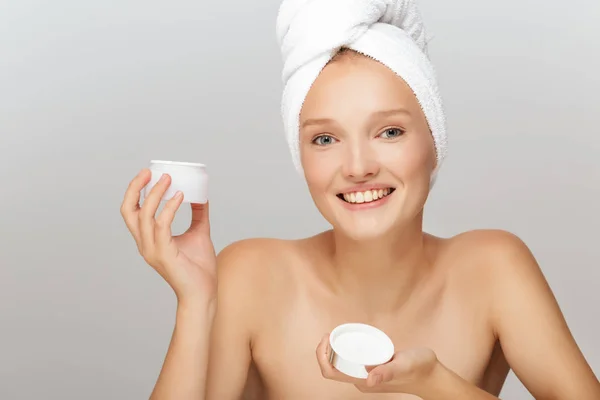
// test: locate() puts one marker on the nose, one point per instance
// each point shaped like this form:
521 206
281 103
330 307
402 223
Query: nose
359 162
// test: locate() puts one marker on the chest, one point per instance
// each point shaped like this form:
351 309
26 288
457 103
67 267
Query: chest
285 351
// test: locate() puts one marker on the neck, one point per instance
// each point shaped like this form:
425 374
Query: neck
380 274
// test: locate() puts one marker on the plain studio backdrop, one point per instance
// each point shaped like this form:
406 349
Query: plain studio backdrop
90 91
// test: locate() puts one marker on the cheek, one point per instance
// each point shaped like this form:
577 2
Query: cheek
412 159
319 169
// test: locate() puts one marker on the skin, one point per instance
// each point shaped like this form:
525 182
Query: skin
252 322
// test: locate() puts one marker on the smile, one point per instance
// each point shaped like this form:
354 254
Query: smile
368 196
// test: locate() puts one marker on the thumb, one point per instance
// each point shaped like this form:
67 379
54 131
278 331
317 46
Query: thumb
200 217
380 374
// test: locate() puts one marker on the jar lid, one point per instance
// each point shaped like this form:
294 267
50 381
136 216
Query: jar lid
181 163
361 344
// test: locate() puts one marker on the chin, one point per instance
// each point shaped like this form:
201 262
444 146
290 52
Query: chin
364 231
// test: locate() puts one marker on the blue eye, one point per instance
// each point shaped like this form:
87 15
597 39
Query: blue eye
323 140
392 133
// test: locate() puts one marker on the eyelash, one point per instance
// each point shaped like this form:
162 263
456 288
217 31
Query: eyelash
401 132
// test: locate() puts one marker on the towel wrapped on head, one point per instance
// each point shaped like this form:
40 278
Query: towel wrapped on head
311 32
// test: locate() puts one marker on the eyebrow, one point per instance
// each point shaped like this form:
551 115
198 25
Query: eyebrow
377 114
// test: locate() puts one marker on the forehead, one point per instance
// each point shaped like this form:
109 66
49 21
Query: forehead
357 84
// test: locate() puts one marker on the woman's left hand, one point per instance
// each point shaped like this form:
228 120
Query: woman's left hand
404 373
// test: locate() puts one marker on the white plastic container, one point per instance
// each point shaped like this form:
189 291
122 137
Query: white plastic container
190 178
355 346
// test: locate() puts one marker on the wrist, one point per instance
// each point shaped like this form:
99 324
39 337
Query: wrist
198 305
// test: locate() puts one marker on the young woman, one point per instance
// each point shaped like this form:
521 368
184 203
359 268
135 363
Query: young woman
253 321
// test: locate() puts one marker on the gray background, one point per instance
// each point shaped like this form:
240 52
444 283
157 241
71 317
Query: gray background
90 91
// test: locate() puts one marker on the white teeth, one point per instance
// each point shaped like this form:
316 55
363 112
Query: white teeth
367 196
360 197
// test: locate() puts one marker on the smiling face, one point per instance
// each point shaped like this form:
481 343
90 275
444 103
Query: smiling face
366 148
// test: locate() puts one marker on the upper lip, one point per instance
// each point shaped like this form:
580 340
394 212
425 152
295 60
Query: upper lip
365 187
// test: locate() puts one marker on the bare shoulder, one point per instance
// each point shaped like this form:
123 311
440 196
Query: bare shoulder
492 251
489 239
503 269
255 257
251 279
255 267
249 253
487 264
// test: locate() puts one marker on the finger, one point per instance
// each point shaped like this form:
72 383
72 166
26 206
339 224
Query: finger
131 202
163 236
200 217
375 378
148 210
324 358
382 373
324 351
376 374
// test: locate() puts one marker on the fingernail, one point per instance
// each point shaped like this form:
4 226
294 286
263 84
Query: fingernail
178 194
378 379
163 177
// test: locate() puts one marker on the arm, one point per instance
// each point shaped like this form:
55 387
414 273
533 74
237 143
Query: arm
183 375
209 355
230 354
530 326
415 371
533 332
188 264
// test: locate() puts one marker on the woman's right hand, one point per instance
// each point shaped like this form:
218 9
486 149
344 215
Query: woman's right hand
188 261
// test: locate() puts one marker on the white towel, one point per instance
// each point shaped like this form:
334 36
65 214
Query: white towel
310 32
